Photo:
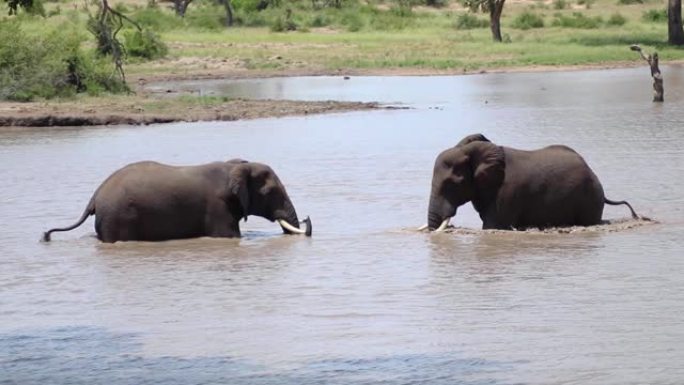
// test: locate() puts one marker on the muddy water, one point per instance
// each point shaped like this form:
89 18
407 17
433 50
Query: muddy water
365 301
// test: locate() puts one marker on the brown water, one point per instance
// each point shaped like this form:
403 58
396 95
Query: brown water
366 300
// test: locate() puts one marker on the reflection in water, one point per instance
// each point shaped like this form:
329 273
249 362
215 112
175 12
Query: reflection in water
363 301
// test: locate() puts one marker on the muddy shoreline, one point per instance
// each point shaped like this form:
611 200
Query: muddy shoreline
100 112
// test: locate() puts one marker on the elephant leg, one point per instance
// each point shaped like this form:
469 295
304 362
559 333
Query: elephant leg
116 226
113 230
589 214
494 218
220 222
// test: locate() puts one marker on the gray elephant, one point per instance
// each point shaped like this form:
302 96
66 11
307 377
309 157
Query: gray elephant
515 189
151 201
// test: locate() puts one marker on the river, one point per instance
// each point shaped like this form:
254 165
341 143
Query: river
366 300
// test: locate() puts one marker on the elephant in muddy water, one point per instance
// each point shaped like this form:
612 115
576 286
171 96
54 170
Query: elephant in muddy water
515 189
150 201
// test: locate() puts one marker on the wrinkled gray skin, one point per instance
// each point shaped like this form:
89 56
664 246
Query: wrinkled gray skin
516 189
152 201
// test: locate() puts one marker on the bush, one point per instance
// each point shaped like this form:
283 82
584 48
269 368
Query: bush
587 3
283 22
628 2
206 16
401 10
157 20
577 20
319 21
616 19
435 3
393 20
469 21
655 15
527 20
250 19
50 65
352 20
559 4
144 44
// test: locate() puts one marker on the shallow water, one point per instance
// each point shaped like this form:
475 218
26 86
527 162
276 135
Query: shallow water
365 300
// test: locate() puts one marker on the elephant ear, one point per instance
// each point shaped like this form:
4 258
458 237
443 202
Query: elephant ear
472 138
238 186
489 167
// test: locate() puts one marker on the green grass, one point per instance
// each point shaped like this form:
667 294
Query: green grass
364 38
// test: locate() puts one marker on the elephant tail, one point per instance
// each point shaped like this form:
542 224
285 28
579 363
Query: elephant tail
615 203
90 210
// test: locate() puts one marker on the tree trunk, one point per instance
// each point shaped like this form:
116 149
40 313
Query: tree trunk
675 33
652 60
181 6
229 11
495 10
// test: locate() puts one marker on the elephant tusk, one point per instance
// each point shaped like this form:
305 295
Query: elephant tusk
423 227
284 224
443 225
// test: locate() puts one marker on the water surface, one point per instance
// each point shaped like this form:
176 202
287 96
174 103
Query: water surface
364 301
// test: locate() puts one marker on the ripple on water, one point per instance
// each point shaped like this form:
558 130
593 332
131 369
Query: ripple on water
94 356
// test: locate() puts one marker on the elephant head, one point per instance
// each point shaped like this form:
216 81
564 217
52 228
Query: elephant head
470 172
255 189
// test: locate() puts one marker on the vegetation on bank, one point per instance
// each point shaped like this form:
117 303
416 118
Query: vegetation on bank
52 54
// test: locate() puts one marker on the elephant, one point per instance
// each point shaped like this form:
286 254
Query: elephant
514 189
151 201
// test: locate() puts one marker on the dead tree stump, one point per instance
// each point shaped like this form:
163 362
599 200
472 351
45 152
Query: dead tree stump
652 60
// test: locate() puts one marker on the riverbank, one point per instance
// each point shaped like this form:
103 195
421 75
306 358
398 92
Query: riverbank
140 110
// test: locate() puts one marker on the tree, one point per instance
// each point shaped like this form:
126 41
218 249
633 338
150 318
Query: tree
495 8
675 33
105 26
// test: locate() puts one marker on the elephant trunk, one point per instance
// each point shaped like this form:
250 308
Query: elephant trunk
440 211
290 222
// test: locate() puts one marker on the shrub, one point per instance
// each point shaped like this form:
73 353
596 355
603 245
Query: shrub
393 20
352 20
50 65
283 23
435 3
144 44
559 4
401 10
251 19
469 21
527 20
577 20
157 20
655 15
246 5
587 3
616 19
206 16
319 21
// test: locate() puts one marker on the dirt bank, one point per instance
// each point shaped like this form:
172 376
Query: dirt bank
136 110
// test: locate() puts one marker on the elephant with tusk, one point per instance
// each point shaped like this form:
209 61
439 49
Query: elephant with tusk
515 189
150 201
